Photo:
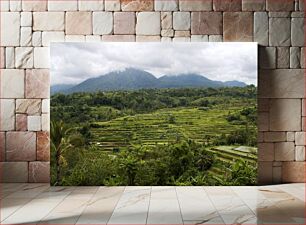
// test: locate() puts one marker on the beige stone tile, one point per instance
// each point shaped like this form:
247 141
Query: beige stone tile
124 22
37 39
26 19
21 122
7 114
273 5
39 172
25 36
263 121
261 28
300 153
112 5
102 23
147 38
281 83
199 38
20 146
34 5
182 33
148 23
238 26
293 172
279 32
37 83
300 138
14 172
4 5
196 205
12 83
61 5
206 23
10 28
137 5
91 5
101 206
215 38
295 57
290 136
275 136
266 152
284 151
48 21
45 122
41 57
134 199
167 33
9 206
227 5
265 175
49 36
43 146
34 123
283 57
24 57
78 23
204 5
166 20
267 57
46 106
9 58
253 5
285 115
297 32
170 5
164 206
181 21
28 106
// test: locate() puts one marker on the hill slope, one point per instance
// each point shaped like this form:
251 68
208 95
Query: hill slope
132 79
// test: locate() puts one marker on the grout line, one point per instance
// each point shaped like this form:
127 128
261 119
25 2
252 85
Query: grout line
149 205
88 201
116 205
178 201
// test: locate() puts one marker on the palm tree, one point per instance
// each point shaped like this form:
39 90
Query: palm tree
62 139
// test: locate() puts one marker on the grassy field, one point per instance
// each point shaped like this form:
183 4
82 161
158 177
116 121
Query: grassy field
163 126
171 125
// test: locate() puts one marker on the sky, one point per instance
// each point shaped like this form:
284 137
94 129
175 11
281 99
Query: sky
72 63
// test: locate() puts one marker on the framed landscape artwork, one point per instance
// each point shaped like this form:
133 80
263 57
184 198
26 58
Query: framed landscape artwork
145 114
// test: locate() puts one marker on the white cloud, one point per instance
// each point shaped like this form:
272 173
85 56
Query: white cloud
76 62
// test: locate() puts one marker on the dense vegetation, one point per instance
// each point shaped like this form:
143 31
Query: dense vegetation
187 136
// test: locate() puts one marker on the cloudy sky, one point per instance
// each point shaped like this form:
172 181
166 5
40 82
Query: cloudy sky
72 63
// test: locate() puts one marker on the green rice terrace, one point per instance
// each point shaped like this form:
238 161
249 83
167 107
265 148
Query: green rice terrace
186 136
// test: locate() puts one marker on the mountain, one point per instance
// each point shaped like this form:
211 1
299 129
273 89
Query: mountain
128 79
60 88
234 83
188 80
132 79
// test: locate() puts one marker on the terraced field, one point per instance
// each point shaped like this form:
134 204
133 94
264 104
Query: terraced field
163 126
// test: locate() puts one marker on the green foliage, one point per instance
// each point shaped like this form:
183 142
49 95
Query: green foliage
154 137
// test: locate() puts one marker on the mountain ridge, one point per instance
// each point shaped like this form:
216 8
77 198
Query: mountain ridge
133 79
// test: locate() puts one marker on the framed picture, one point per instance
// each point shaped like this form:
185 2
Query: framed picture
154 114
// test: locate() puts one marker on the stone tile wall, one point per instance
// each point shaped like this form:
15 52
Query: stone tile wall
28 27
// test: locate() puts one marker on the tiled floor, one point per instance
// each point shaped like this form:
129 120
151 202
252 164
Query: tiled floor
42 204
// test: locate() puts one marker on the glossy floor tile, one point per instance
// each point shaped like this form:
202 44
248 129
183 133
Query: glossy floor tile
42 204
